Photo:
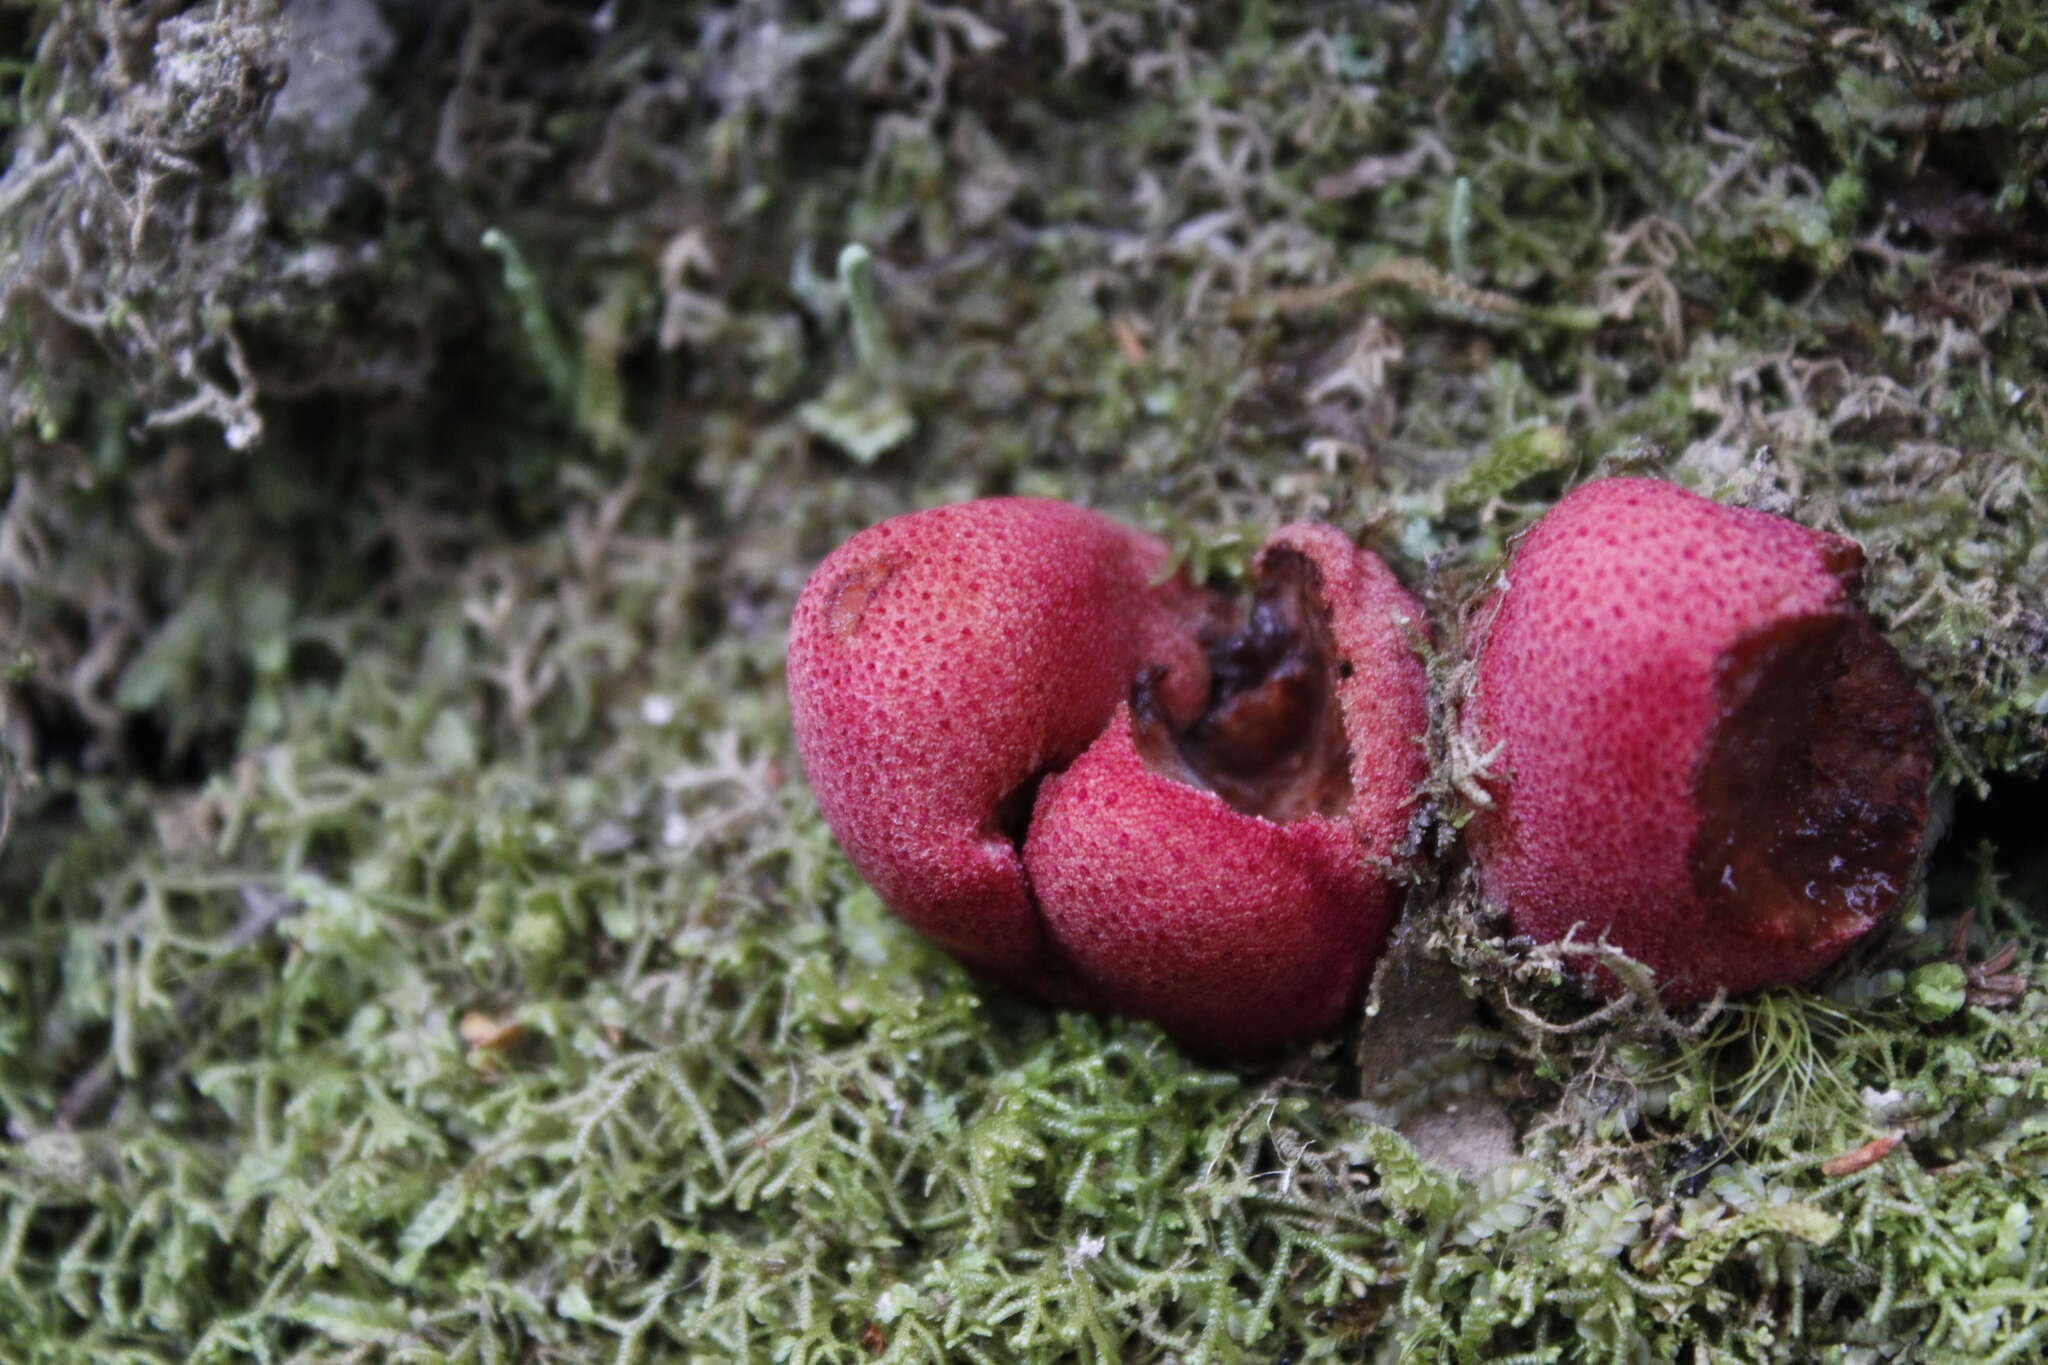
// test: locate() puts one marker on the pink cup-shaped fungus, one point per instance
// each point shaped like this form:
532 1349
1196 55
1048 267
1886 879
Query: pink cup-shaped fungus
1217 856
1232 880
1698 745
940 664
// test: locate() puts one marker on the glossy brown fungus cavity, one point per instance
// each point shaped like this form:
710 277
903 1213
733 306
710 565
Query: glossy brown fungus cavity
1813 786
1270 740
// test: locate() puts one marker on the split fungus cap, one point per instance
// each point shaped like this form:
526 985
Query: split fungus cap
1107 787
1697 745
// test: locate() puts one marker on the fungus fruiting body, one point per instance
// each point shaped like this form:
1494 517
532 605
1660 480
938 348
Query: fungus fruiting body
939 664
1106 786
1262 893
1697 746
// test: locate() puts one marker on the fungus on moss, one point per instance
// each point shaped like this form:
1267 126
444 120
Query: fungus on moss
1708 754
1109 790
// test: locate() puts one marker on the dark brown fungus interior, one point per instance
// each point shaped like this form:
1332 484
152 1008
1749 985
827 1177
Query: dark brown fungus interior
1270 740
1813 789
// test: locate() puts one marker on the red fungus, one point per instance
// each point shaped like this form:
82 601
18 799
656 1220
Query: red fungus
1699 746
1215 855
1232 879
940 664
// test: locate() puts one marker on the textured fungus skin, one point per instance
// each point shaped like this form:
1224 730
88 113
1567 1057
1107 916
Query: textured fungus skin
1011 725
940 661
1230 929
1698 745
1381 685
